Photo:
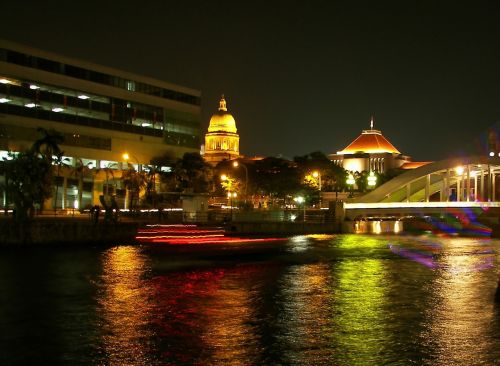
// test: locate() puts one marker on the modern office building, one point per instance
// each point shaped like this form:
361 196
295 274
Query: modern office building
370 151
109 118
222 141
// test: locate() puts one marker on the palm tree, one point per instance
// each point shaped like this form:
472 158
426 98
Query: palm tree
134 182
48 144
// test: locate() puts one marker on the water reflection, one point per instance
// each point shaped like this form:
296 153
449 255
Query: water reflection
305 322
125 306
459 318
207 316
359 306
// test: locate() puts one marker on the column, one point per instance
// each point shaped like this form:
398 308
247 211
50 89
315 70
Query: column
408 192
447 183
481 189
459 189
64 192
468 183
493 190
427 187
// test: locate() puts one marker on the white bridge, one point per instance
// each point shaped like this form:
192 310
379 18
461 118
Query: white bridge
467 183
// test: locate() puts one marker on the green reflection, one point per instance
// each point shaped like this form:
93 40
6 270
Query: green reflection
360 298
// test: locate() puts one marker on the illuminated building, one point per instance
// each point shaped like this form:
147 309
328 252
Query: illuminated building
104 115
370 151
222 141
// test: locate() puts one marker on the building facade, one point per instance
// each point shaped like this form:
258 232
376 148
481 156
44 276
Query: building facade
109 118
222 141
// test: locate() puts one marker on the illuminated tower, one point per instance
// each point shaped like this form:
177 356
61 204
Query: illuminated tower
221 142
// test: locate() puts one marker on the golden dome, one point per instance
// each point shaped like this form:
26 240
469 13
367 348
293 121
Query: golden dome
222 121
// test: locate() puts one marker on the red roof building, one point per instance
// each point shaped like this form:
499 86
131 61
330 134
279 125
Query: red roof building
370 151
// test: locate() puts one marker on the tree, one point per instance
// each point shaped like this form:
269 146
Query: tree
28 182
48 144
134 182
192 173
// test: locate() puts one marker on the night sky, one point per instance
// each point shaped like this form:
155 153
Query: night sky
298 78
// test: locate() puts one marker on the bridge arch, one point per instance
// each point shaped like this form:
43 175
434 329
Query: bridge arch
464 179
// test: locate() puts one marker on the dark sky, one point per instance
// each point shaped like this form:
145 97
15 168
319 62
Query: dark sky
298 78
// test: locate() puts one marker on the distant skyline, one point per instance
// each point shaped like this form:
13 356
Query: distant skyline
302 78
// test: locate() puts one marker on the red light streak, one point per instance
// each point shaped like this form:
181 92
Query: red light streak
191 234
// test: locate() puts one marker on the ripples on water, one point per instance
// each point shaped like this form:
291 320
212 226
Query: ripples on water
312 300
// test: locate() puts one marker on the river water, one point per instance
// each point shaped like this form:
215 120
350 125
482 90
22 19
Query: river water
307 300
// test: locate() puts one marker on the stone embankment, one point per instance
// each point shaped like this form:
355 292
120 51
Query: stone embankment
66 231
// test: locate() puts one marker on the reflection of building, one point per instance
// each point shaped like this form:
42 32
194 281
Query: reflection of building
370 151
101 112
221 141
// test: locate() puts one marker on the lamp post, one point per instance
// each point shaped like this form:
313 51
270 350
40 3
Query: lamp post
350 182
300 200
237 164
231 195
317 174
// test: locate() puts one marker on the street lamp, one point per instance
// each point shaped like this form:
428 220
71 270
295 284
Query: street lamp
237 164
230 196
350 182
317 175
126 156
300 200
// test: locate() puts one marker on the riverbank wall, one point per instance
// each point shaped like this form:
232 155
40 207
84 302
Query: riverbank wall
280 228
67 232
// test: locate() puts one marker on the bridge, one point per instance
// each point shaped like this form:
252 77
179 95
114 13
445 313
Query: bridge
451 185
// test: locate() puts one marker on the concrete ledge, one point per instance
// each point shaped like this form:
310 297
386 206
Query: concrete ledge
280 228
67 232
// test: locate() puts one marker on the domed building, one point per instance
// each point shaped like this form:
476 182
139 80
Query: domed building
222 141
371 151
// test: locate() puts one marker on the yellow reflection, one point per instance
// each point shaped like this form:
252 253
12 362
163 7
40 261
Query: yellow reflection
125 307
460 318
361 298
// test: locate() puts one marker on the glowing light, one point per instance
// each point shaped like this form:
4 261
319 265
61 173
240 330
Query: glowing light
372 179
125 156
299 199
235 164
315 174
83 96
459 170
223 177
30 105
57 109
34 87
492 153
350 179
191 234
4 100
5 81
